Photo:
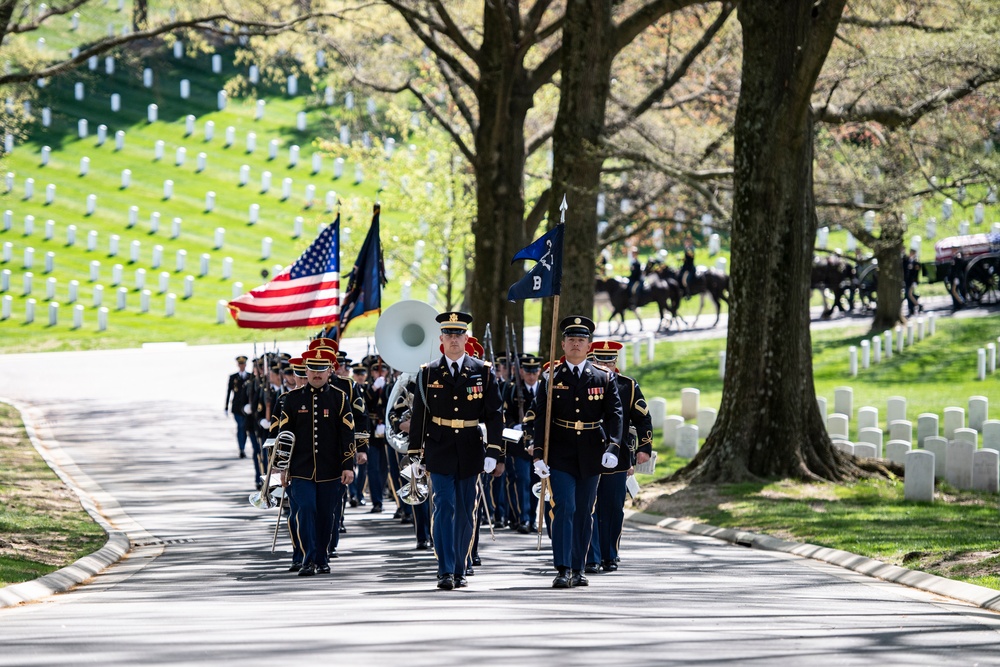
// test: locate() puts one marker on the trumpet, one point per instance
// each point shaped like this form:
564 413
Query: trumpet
416 490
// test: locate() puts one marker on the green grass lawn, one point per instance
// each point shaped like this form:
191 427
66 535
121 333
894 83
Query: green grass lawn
42 526
956 536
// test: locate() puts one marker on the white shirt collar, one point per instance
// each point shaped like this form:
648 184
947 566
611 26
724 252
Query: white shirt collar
579 365
460 361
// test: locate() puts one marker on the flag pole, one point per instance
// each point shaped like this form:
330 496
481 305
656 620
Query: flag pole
548 394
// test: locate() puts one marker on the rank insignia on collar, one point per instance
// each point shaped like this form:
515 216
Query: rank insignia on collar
326 413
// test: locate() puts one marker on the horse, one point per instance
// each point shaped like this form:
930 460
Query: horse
664 294
704 281
838 276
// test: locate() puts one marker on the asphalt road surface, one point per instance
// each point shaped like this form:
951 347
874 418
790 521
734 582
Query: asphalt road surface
203 588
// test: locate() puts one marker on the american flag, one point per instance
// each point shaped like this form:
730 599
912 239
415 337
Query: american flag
306 294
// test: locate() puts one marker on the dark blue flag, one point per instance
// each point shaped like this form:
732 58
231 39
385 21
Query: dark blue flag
545 278
366 279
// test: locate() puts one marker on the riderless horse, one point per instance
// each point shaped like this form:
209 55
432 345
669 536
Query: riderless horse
704 281
840 277
666 294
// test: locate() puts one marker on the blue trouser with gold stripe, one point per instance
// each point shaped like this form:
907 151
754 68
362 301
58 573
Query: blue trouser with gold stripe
573 506
454 521
609 516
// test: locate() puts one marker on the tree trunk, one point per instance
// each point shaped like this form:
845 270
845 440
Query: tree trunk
769 424
889 307
140 15
588 52
504 99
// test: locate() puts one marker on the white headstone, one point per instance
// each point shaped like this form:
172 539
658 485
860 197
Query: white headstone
297 226
46 116
852 355
116 102
896 451
116 275
164 282
822 237
102 134
29 311
251 141
50 229
901 429
272 149
991 358
310 195
227 268
927 426
338 167
254 215
837 424
188 287
175 228
300 121
844 446
209 130
265 182
244 174
98 295
220 100
157 256
986 471
202 161
119 140
27 282
265 247
78 92
843 401
821 404
687 441
152 113
81 128
865 450
866 356
140 279
877 349
978 409
181 260
46 152
180 156
216 64
170 305
345 135
919 474
109 65
231 136
126 182
293 156
154 222
359 175
706 420
71 236
254 75
178 49
293 85
220 237
867 417
954 418
121 295
91 241
968 435
689 403
871 436
91 204
349 100
168 189
113 242
77 316
887 334
328 96
50 289
259 109
991 434
331 200
958 467
158 147
189 122
237 289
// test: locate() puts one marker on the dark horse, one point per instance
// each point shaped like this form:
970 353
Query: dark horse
665 294
840 277
711 282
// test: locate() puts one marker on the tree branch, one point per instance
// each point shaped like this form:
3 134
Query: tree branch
413 19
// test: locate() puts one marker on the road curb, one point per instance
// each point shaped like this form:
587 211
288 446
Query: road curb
87 491
980 596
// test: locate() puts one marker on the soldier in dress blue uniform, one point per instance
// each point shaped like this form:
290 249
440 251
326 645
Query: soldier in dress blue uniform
454 394
322 460
609 514
238 395
518 398
585 437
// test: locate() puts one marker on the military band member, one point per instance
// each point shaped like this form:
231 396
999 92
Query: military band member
322 460
454 394
376 396
609 515
517 402
236 393
584 441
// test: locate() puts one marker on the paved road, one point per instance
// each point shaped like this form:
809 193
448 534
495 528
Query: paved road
145 426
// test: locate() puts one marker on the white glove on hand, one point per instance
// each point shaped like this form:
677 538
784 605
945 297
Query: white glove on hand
380 431
609 460
541 469
417 470
489 464
518 427
246 409
265 424
378 383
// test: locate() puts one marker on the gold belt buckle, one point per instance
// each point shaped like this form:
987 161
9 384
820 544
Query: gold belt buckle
458 423
578 425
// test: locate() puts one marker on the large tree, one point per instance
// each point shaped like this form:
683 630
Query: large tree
769 424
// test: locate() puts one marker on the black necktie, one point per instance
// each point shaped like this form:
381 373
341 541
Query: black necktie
576 372
454 368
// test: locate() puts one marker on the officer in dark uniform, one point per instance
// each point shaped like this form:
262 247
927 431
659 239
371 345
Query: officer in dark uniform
955 281
634 277
235 391
687 267
454 394
911 276
322 460
584 441
609 515
518 399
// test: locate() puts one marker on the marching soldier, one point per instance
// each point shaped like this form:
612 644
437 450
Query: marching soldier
236 392
376 396
518 398
454 394
911 276
584 441
322 461
609 515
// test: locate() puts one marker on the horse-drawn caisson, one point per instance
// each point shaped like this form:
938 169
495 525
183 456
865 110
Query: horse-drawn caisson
980 281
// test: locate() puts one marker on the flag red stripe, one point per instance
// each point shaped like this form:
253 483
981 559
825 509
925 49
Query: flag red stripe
315 321
287 307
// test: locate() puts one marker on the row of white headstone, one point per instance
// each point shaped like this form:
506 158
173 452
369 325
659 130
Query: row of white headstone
871 351
843 404
54 307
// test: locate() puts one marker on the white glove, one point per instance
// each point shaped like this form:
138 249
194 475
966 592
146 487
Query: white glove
246 409
518 427
265 424
378 383
380 431
609 460
489 464
417 470
541 469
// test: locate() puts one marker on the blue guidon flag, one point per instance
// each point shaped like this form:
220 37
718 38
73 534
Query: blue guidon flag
366 279
305 294
545 278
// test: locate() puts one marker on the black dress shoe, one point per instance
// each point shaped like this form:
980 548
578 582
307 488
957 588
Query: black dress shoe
476 560
524 529
470 571
398 513
308 570
332 553
295 567
407 519
243 455
561 580
446 582
422 545
353 502
343 528
361 501
376 509
578 579
323 569
460 581
609 566
591 568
